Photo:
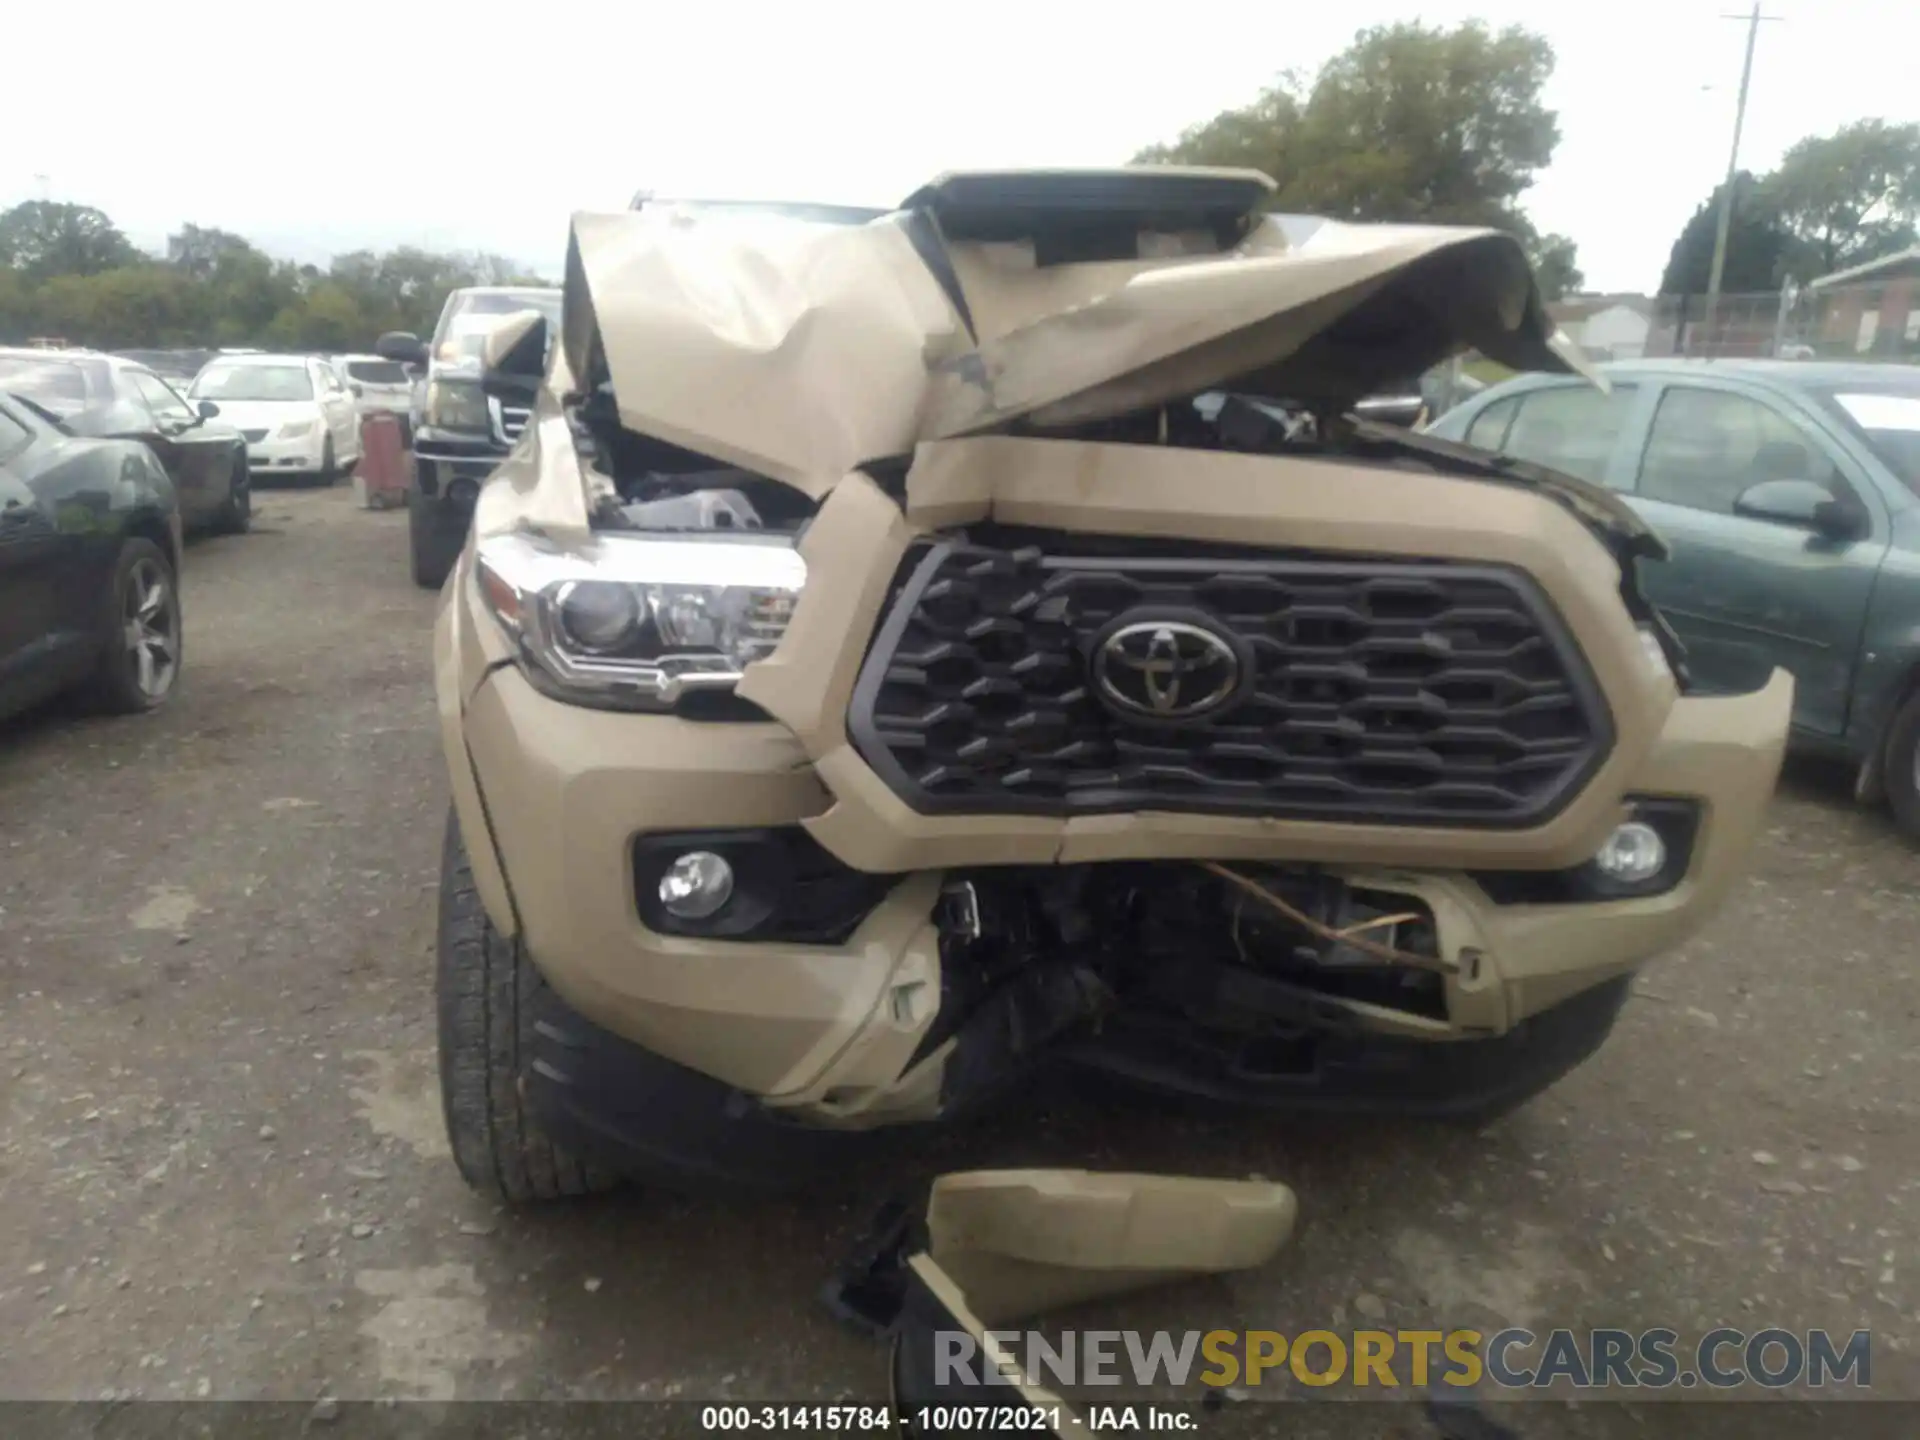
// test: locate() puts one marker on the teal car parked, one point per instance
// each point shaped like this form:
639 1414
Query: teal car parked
1788 493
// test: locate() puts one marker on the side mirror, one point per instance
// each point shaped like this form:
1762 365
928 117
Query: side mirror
513 356
356 389
401 346
1804 505
208 409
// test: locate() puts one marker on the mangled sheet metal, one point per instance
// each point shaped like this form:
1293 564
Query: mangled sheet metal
801 350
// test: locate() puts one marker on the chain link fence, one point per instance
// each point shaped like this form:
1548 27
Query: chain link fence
1866 322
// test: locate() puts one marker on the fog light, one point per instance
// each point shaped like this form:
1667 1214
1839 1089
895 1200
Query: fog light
696 885
1633 854
462 491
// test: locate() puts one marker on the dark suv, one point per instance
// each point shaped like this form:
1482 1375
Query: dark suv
459 432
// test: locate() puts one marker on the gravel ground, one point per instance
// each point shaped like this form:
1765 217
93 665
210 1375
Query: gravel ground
223 1172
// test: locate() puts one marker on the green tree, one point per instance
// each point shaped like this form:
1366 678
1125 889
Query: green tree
1553 263
139 305
326 317
1848 197
43 238
1256 137
202 251
1409 123
1757 244
65 270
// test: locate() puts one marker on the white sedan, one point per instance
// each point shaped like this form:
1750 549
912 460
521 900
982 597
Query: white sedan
295 415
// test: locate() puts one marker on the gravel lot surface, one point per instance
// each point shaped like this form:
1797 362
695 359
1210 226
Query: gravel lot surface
223 1173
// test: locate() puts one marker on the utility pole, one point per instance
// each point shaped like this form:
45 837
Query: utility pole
1733 165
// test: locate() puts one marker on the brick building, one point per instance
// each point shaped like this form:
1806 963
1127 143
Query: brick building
1870 309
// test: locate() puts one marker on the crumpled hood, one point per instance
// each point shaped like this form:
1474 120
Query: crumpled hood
802 350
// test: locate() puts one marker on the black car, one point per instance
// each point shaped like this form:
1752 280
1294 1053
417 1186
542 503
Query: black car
112 398
89 560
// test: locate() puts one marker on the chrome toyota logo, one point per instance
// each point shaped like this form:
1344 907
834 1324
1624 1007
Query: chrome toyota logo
1166 669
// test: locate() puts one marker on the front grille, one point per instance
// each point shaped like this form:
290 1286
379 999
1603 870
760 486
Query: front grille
253 437
1385 691
509 420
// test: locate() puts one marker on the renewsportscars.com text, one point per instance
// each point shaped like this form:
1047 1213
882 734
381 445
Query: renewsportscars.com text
1721 1359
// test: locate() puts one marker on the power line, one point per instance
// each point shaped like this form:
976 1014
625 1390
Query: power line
1753 19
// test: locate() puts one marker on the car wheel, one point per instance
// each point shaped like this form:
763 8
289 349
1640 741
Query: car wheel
329 467
434 546
1900 765
141 657
489 996
236 515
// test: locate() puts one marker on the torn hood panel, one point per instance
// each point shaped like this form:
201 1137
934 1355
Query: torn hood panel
801 349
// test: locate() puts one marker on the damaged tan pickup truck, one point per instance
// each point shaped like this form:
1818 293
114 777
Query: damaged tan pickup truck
911 648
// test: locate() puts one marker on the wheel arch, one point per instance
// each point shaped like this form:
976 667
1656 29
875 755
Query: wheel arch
1875 729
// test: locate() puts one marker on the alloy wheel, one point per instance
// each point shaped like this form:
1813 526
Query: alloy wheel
152 629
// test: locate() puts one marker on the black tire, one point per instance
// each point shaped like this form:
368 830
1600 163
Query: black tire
434 547
236 515
329 467
488 995
1900 765
121 684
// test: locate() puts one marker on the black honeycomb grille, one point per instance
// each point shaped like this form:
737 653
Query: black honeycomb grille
1379 691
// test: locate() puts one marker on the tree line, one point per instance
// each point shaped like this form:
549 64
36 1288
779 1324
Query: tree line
67 272
1834 202
1446 126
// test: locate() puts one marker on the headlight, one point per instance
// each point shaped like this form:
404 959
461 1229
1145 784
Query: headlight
456 405
294 429
637 621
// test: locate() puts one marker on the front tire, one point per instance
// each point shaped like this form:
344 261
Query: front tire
236 515
433 547
1900 765
488 997
141 632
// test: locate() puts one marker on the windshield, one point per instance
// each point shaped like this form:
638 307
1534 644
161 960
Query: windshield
470 314
254 382
56 385
1890 420
377 372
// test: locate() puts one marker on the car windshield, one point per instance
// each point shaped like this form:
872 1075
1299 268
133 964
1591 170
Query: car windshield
254 382
470 314
377 372
1890 420
56 385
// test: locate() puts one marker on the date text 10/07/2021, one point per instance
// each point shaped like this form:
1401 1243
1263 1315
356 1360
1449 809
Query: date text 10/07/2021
1018 1419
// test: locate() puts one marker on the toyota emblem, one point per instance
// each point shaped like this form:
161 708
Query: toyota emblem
1166 670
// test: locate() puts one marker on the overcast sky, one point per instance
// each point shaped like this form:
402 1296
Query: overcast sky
316 128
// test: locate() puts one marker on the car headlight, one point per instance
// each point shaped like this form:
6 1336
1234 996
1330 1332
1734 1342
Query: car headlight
294 429
456 405
637 621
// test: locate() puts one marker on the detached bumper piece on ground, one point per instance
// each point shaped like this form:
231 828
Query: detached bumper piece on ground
999 1247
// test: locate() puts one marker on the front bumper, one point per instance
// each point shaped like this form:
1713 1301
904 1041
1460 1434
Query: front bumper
449 469
552 797
301 455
